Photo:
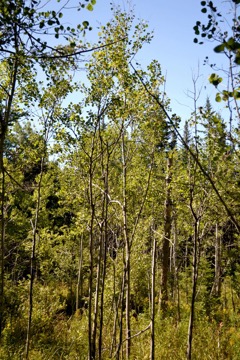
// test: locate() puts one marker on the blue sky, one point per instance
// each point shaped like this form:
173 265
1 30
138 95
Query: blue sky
173 46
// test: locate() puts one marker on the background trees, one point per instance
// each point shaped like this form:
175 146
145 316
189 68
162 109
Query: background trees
112 233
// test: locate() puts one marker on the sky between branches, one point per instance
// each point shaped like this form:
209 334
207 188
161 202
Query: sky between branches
180 58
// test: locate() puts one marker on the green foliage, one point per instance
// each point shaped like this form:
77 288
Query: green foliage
22 18
217 29
215 79
112 149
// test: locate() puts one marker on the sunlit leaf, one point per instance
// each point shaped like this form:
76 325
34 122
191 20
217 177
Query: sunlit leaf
219 48
89 7
214 79
225 95
237 59
85 24
42 23
236 94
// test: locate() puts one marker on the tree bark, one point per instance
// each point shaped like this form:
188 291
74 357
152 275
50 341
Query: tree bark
79 275
166 239
34 224
91 345
216 289
2 224
194 288
153 269
5 115
127 248
105 170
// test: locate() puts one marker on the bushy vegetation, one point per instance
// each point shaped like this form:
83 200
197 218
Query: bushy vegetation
119 231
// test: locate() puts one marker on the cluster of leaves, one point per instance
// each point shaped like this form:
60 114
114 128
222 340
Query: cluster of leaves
226 32
106 190
65 219
90 4
23 25
210 29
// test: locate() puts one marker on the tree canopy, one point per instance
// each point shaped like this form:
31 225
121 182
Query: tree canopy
119 220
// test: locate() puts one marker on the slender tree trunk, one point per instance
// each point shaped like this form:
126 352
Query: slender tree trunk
194 286
152 346
176 295
166 239
115 311
91 342
33 259
2 224
121 301
216 289
127 249
97 293
105 237
5 115
118 320
34 241
79 276
30 296
91 346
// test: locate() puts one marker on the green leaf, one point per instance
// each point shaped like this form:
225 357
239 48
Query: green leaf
237 59
232 44
46 14
196 30
93 2
50 22
218 97
226 95
85 24
89 7
220 48
204 10
236 94
42 24
215 79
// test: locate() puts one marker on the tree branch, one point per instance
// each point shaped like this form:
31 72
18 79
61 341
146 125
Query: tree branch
193 155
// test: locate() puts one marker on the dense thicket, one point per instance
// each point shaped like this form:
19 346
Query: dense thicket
119 235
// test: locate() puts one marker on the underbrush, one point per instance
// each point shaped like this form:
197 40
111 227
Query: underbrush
57 335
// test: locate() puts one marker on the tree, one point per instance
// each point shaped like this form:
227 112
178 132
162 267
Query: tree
116 213
223 140
225 32
117 146
25 44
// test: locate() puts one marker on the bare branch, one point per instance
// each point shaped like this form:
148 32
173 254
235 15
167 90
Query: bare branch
194 156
